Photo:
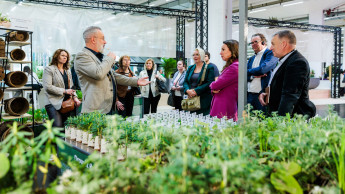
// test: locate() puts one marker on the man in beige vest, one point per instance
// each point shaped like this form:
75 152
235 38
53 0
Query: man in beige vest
96 76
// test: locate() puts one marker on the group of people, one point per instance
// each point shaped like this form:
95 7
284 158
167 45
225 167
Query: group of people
278 79
281 68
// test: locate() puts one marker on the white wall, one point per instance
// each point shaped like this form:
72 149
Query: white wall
216 31
60 27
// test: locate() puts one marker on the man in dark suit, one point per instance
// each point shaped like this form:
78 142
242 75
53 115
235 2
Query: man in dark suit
289 80
259 70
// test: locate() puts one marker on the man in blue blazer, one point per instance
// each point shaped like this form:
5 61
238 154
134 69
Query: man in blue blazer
259 70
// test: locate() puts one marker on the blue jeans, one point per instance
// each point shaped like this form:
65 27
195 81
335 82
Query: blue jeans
253 99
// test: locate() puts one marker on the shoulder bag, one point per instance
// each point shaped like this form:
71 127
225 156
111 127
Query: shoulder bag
193 104
161 86
68 105
134 90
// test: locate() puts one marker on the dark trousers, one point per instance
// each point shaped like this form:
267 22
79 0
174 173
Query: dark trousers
59 118
151 101
253 99
128 102
177 102
341 91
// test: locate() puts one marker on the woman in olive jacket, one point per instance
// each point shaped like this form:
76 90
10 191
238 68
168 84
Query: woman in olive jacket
192 86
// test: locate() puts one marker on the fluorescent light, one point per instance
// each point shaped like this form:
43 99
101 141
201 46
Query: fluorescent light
152 5
150 32
98 22
165 29
14 8
259 10
296 3
111 18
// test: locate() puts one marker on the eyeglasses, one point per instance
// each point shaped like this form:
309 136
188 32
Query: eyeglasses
195 55
102 38
254 42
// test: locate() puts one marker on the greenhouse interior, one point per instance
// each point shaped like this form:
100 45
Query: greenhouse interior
172 96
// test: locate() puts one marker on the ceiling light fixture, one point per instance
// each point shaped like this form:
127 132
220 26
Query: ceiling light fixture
259 10
111 18
289 4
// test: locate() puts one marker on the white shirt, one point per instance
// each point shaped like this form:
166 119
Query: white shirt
280 62
35 78
175 82
255 85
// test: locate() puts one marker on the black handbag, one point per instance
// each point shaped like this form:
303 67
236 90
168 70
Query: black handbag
161 86
136 91
171 99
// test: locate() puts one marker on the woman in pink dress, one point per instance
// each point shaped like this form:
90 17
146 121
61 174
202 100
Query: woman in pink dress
225 89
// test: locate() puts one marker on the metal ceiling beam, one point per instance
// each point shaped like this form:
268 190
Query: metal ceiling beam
251 7
115 6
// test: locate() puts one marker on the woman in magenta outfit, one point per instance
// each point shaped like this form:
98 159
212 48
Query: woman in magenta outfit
225 89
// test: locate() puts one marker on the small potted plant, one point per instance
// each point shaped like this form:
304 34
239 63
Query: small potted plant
5 21
314 82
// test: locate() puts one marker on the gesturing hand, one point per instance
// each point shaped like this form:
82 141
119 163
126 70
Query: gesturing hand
111 55
215 91
143 81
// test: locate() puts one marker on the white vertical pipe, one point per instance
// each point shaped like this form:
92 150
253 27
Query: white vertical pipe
242 69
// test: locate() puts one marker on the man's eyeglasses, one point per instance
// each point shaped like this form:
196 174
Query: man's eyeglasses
254 42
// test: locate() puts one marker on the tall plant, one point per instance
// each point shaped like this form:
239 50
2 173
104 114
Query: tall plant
169 66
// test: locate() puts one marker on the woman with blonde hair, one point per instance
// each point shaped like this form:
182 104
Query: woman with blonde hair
150 92
57 83
125 96
195 85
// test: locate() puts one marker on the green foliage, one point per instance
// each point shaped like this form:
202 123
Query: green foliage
79 94
259 155
24 155
4 165
283 179
312 73
4 18
169 66
39 73
40 115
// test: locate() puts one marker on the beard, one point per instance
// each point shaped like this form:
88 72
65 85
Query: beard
100 48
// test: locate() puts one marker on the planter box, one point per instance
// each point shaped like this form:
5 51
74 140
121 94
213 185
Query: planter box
314 83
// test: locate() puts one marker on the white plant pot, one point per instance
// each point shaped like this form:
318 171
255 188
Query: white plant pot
85 138
97 143
67 132
103 146
91 142
79 135
73 133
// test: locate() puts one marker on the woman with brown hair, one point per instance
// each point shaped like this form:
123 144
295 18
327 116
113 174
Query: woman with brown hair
150 92
225 89
125 96
57 83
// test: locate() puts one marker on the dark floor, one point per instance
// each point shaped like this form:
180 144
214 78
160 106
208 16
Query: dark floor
322 110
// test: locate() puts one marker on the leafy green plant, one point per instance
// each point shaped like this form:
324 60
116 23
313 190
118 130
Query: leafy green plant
312 73
79 94
40 74
169 66
4 18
